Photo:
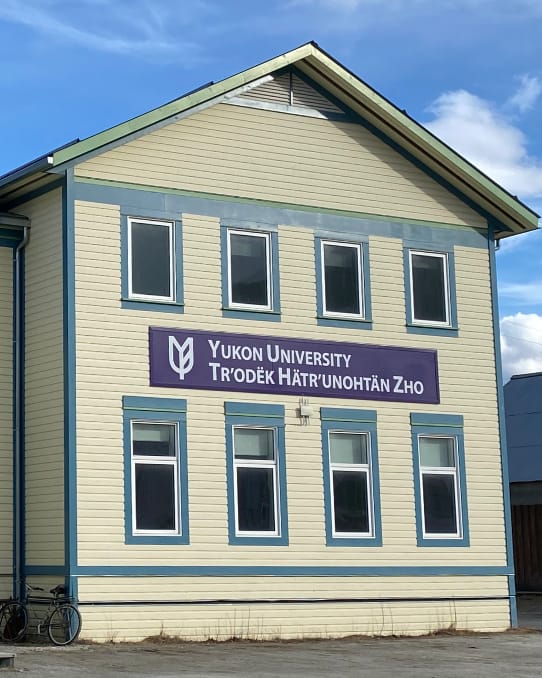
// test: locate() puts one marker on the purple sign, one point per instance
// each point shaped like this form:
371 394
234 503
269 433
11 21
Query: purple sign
255 364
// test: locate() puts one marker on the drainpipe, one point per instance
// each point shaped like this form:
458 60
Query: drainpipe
18 391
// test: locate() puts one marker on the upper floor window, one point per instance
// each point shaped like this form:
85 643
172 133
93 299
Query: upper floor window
151 260
249 270
429 288
342 280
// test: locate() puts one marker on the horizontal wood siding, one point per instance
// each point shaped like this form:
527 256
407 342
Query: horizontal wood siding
6 419
317 619
266 155
44 387
112 361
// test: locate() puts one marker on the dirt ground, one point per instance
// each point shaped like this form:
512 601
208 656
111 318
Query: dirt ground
517 653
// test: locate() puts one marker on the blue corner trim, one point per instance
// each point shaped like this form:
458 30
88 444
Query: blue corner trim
364 323
252 414
69 334
417 327
175 306
156 409
291 571
446 425
513 601
359 421
49 570
502 423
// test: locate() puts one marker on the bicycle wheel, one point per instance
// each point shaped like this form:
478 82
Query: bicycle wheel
13 622
64 624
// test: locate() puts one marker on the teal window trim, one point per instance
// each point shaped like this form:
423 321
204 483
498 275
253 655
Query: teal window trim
354 421
156 410
273 314
329 319
426 327
264 416
448 426
176 305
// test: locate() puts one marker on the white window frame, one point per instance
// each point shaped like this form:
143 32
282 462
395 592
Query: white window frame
172 263
269 277
361 291
353 468
445 471
156 460
257 463
446 272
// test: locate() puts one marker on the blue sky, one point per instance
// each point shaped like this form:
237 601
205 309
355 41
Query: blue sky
471 70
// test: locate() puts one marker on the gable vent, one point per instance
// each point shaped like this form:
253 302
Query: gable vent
290 90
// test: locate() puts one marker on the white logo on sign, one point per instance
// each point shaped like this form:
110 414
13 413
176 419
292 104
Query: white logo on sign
181 356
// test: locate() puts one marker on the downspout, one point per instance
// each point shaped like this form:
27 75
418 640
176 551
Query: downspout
18 390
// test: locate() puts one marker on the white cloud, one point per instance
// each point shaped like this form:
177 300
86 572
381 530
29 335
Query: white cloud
528 92
521 343
479 131
137 28
523 294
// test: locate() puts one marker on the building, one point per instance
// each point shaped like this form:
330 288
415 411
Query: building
523 407
256 389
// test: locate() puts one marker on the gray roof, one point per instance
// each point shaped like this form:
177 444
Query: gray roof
523 406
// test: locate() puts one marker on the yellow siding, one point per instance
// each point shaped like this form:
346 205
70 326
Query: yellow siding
289 619
112 360
266 155
6 421
44 423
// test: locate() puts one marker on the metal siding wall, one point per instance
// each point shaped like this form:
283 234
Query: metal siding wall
6 420
267 155
44 387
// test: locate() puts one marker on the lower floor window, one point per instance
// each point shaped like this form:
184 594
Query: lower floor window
255 479
156 480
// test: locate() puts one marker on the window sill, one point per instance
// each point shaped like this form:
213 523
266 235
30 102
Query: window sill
360 542
156 539
160 306
354 323
435 330
444 542
246 314
237 540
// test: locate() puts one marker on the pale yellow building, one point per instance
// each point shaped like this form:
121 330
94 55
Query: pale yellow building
257 386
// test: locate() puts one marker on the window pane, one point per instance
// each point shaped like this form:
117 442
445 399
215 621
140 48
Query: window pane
151 259
255 500
253 443
157 440
437 452
342 282
248 269
350 501
155 496
348 448
439 504
429 289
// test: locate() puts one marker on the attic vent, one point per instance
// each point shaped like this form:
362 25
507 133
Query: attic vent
290 90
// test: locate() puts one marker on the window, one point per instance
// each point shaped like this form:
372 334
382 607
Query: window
430 291
350 477
439 479
155 470
152 264
152 268
342 279
256 473
250 273
342 283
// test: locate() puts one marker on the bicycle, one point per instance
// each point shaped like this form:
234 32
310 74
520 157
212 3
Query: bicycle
62 619
13 620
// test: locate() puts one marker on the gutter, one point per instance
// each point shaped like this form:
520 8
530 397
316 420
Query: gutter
18 396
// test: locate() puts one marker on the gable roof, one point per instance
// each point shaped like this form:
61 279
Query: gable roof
523 408
509 214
